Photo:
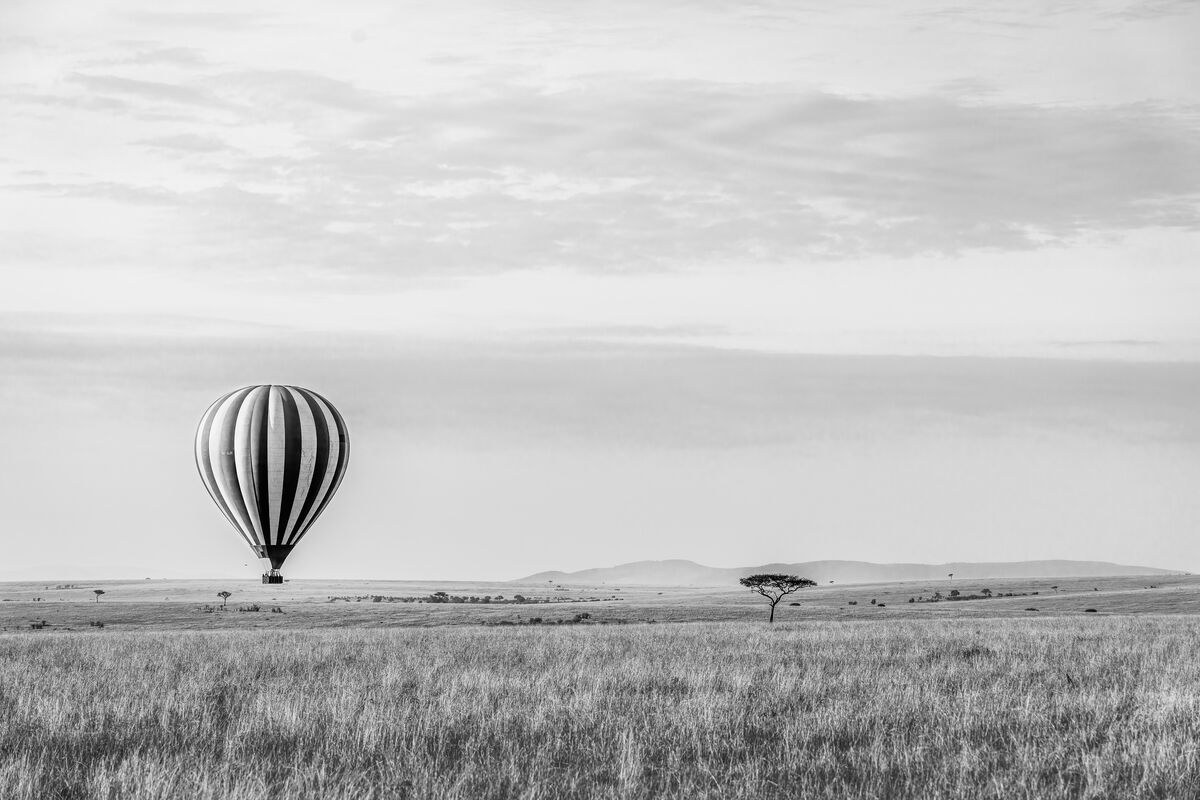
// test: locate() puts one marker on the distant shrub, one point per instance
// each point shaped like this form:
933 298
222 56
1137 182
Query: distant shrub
976 651
1089 611
1031 609
852 602
254 607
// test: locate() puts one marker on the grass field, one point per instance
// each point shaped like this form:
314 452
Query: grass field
1066 707
152 693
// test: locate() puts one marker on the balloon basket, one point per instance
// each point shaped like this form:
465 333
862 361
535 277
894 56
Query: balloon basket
272 577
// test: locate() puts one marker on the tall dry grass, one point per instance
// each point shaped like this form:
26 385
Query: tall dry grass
1094 708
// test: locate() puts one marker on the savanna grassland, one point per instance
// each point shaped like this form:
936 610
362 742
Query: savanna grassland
177 605
1083 706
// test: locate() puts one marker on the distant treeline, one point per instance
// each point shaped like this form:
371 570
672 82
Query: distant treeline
487 599
955 594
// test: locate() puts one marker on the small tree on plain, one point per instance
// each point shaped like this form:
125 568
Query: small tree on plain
775 587
97 592
224 597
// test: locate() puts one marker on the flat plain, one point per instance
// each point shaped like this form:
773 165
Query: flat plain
191 605
658 692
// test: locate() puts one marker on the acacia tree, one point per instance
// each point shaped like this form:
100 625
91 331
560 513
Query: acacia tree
98 592
775 587
224 597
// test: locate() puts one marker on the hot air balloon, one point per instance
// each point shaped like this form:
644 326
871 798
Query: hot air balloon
272 457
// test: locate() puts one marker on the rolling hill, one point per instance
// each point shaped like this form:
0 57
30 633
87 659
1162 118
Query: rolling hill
680 572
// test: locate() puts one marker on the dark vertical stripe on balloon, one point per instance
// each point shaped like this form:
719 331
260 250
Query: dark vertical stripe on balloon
226 464
339 470
204 462
293 449
259 476
319 468
343 450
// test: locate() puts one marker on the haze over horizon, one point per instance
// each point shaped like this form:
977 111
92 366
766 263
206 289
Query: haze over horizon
893 282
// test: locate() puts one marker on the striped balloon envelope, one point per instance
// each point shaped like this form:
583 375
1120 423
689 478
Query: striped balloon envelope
272 457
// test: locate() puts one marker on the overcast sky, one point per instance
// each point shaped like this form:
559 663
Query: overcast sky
592 283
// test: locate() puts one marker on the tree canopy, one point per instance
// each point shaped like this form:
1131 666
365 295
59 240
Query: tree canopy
775 587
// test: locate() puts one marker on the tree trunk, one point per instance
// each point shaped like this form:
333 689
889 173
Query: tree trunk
772 619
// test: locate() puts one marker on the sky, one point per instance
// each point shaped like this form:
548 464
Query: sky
601 282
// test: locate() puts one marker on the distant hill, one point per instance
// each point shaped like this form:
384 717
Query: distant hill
679 572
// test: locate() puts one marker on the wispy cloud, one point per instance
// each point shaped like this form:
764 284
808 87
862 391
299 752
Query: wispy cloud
664 175
505 160
212 20
598 390
151 92
188 143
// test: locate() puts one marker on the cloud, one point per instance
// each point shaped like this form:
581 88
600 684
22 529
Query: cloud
285 92
615 175
1152 9
150 92
600 392
98 190
188 143
192 20
158 55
